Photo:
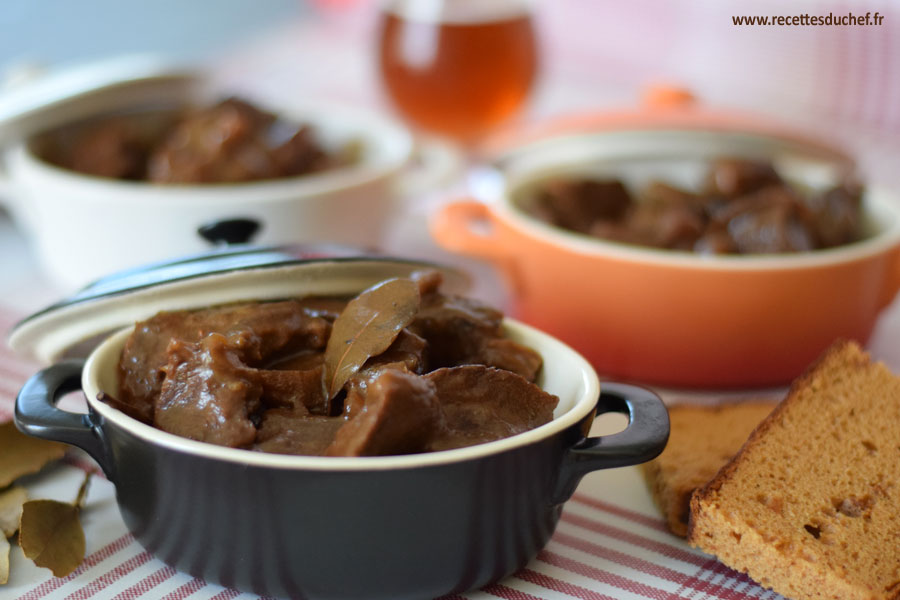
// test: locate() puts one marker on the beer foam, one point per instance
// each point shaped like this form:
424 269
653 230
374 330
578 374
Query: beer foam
459 11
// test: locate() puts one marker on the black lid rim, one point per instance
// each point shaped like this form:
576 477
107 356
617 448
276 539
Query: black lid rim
197 267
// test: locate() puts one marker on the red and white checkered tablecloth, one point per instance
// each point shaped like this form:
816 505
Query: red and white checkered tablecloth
611 543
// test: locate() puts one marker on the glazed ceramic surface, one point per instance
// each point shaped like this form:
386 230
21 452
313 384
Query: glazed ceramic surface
84 227
415 526
669 317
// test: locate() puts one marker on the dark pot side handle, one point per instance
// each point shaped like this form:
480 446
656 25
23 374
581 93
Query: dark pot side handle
38 416
230 231
643 439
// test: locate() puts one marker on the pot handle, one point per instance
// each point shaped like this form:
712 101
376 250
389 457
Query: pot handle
643 439
892 283
468 227
226 232
38 416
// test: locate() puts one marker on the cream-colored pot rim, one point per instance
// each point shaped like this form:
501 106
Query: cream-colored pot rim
565 373
881 206
499 187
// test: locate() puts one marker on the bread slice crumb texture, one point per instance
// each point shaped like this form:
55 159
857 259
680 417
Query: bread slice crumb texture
702 439
811 504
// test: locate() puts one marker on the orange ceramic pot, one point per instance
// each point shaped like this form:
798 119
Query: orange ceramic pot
666 317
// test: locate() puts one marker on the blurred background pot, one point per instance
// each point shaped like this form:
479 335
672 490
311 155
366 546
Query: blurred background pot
84 226
662 316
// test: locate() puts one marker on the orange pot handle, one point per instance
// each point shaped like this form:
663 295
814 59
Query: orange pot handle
668 97
892 286
468 227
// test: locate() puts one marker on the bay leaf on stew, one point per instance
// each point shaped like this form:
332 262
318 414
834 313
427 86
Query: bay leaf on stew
368 325
50 532
21 454
4 559
11 502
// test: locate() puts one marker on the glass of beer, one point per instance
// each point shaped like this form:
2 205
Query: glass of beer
457 67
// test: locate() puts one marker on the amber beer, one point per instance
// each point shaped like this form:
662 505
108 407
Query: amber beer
457 67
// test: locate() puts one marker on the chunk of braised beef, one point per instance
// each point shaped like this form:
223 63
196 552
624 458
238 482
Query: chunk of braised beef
400 415
733 177
716 240
503 353
453 326
771 220
482 404
407 350
440 313
233 141
302 361
295 431
298 155
462 331
283 329
658 193
576 204
673 226
217 144
357 386
405 354
206 394
111 148
144 356
769 230
429 281
293 388
837 214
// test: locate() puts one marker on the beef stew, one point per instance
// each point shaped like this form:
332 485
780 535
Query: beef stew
256 375
229 142
744 207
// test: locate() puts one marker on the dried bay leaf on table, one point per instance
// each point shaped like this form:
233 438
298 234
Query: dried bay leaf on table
11 502
21 454
368 325
51 535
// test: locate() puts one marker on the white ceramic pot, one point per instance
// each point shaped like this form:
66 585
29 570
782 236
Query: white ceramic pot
83 227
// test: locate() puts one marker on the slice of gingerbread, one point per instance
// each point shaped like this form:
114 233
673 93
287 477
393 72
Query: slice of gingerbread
810 506
702 439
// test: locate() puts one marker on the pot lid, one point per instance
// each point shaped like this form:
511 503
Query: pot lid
47 100
75 325
665 108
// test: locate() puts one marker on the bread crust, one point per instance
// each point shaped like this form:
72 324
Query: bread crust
836 349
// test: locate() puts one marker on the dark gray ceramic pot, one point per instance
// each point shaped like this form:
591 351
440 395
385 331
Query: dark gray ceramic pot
415 526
